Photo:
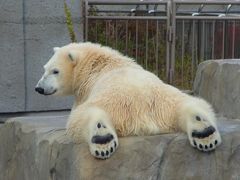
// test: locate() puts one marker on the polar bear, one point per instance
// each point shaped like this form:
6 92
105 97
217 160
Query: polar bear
116 97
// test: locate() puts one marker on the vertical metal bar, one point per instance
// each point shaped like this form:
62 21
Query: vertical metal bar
106 30
96 33
183 49
223 40
146 43
157 46
233 39
136 44
86 20
168 23
213 39
208 41
126 43
202 57
193 42
172 71
206 38
116 35
196 41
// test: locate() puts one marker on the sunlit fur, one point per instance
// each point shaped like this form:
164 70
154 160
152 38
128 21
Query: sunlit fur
108 85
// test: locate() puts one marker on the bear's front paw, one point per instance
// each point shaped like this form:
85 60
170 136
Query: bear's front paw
104 141
205 139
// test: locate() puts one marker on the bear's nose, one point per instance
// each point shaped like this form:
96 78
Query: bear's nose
39 90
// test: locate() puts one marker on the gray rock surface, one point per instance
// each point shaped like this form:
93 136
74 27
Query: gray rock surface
37 148
218 81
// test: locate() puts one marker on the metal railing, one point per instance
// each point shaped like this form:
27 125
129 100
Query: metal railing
169 38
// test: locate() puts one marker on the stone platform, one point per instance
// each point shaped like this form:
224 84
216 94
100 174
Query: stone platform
37 148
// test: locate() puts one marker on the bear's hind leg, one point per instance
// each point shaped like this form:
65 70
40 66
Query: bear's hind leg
197 119
93 125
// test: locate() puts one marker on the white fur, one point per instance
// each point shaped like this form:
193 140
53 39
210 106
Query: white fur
55 49
112 89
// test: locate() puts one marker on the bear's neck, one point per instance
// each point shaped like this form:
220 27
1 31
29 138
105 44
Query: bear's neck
88 72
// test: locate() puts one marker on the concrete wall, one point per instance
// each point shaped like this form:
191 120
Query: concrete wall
29 29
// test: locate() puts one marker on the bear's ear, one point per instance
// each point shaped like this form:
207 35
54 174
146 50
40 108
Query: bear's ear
72 55
56 48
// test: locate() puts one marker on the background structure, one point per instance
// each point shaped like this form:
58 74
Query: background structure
29 29
168 39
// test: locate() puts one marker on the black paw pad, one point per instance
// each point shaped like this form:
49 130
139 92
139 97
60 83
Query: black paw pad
211 145
194 142
206 147
102 139
205 133
111 150
200 146
216 142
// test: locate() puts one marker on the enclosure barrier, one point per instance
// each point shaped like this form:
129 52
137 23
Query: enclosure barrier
169 38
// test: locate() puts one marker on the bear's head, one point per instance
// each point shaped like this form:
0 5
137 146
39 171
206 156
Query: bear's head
58 76
74 68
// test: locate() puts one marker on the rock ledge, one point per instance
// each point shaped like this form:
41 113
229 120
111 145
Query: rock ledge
37 148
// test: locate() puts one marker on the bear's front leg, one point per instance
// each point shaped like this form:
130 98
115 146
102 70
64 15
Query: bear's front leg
92 125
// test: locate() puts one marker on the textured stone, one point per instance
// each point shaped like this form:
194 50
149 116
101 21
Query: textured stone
12 82
37 148
218 82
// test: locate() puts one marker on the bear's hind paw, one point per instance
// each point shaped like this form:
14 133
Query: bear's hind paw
206 139
104 142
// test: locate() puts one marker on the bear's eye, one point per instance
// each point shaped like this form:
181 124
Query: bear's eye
55 71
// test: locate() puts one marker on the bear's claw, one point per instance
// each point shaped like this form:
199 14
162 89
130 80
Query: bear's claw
104 143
